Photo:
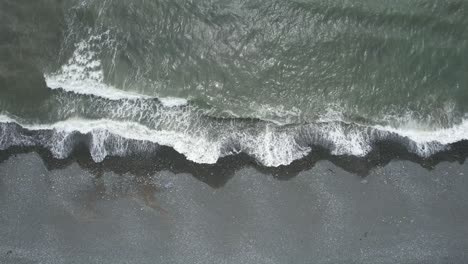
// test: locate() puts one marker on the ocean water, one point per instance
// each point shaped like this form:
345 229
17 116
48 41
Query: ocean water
271 79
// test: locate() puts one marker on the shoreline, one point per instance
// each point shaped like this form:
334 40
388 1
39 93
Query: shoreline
271 148
216 175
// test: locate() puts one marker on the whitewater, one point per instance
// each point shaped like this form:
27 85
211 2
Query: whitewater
270 144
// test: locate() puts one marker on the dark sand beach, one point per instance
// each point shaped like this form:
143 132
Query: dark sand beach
76 211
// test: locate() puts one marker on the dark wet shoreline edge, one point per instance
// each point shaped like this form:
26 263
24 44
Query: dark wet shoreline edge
218 174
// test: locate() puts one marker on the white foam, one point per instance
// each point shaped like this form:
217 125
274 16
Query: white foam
195 148
6 119
96 88
428 142
277 114
89 87
173 101
271 147
83 74
347 143
442 136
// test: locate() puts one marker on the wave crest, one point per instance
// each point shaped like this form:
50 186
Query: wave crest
271 146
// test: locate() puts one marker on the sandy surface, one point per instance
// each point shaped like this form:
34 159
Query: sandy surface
399 213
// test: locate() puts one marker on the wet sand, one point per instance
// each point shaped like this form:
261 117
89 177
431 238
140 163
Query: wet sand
123 211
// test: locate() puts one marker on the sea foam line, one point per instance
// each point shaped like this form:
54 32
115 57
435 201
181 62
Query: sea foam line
95 88
198 149
83 74
270 147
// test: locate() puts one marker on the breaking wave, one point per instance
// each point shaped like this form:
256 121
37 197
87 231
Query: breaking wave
269 144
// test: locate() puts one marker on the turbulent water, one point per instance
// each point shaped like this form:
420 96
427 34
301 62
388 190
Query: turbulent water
211 78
